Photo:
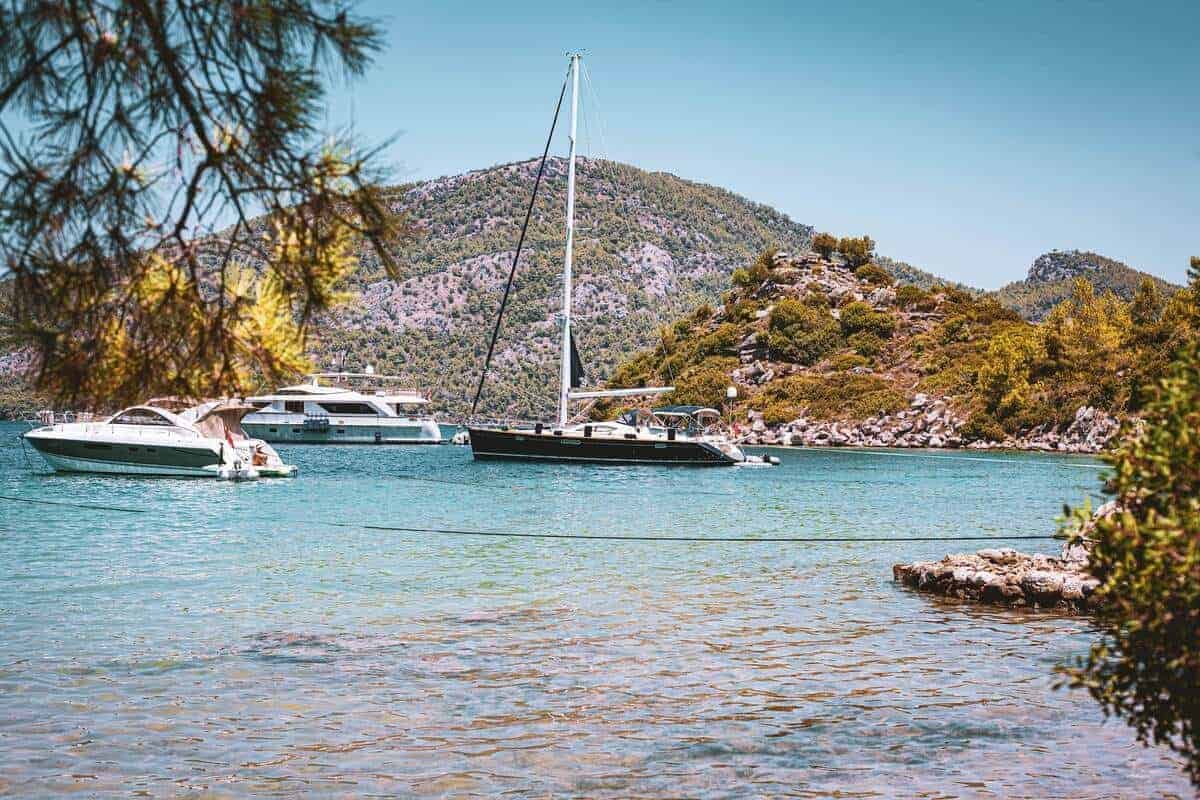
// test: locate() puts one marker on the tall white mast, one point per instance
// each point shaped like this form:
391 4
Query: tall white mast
565 376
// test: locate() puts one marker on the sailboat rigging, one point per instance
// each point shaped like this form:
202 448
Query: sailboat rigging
670 435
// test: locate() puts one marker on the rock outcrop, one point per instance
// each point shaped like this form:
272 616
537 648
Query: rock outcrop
1005 577
1008 577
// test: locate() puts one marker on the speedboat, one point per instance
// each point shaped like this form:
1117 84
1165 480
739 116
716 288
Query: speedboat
343 408
206 440
684 435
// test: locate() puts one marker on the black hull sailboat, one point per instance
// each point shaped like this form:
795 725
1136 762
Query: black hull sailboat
576 446
673 435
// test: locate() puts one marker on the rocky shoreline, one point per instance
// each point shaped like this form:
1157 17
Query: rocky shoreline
930 422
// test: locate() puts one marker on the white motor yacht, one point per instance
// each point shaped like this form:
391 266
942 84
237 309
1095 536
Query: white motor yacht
202 441
344 408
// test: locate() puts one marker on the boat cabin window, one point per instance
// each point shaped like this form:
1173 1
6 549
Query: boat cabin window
293 406
260 404
406 409
141 416
348 408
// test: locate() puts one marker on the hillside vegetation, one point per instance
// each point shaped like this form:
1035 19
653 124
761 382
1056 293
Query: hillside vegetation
649 246
818 336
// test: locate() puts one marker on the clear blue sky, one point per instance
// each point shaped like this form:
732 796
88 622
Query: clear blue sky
965 137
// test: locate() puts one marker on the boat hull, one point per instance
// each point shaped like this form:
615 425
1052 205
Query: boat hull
117 458
530 446
281 432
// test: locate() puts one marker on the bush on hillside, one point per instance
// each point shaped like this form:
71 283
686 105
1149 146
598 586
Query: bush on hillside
801 334
722 341
848 397
848 361
704 384
856 250
866 344
859 317
908 296
874 275
981 426
1146 665
779 413
824 244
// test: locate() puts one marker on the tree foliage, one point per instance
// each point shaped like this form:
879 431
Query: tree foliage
801 333
171 219
1145 667
824 244
856 250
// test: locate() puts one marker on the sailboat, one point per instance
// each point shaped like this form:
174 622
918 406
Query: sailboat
684 435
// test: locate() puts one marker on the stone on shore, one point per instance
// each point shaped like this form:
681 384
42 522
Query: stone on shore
1006 577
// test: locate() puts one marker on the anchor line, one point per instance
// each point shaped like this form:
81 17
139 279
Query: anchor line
621 537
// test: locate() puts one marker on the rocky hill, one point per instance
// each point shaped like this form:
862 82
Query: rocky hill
825 355
649 246
1052 275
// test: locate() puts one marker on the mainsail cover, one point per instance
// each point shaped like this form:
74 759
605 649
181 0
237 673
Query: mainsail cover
577 373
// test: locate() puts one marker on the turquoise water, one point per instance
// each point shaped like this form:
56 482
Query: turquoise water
239 639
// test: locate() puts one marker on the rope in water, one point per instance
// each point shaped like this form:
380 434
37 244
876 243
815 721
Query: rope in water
739 539
521 487
621 537
864 452
90 506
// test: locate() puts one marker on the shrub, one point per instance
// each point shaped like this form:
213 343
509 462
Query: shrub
779 413
800 333
722 341
741 278
824 244
1145 667
856 251
874 275
954 329
848 361
705 383
818 300
981 426
703 312
860 317
866 344
908 296
848 397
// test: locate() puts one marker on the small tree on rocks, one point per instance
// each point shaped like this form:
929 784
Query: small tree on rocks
823 244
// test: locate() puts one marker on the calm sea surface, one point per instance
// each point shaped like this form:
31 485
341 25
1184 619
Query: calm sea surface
241 639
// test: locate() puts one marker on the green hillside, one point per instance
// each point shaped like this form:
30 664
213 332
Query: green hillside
805 337
649 246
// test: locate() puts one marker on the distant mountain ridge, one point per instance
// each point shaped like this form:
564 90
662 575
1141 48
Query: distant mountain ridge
1052 274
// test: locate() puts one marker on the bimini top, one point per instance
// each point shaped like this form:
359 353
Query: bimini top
686 411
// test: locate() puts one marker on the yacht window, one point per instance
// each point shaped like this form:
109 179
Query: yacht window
294 406
348 408
141 416
260 403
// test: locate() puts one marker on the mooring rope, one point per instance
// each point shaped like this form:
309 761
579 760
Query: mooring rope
938 456
626 537
572 490
91 506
